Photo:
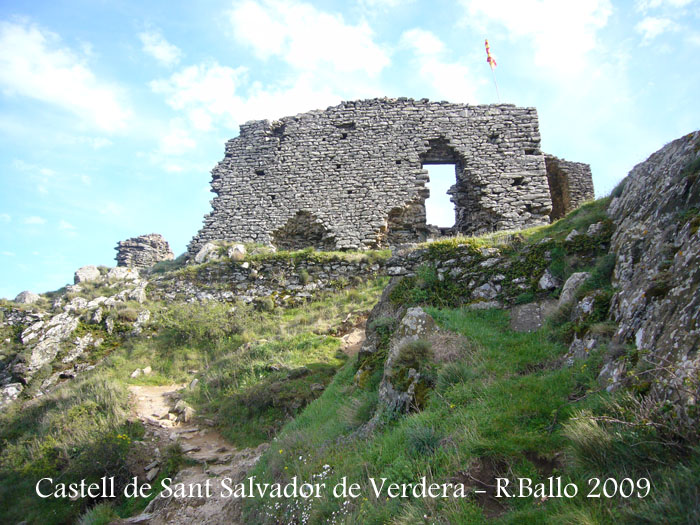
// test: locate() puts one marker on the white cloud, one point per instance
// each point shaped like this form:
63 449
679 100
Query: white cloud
205 92
65 225
305 38
651 27
646 5
85 179
450 80
377 6
155 45
111 209
98 142
178 140
33 64
562 33
42 177
323 69
34 220
8 254
5 217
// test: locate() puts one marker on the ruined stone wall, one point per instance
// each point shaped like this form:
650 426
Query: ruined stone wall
352 176
570 185
143 251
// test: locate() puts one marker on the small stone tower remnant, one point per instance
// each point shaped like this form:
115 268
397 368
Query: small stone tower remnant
353 177
143 251
570 185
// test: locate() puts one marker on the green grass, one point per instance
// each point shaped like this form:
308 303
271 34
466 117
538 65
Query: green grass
509 408
78 432
506 402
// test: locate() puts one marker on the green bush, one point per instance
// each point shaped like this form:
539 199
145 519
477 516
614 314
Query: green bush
169 266
101 514
422 439
200 324
304 277
414 354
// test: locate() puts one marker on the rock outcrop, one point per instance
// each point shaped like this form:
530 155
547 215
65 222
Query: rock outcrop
657 271
86 274
143 251
27 297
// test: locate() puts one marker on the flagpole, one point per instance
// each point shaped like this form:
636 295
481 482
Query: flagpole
496 84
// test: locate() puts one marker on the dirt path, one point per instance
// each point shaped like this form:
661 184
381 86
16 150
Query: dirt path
351 343
161 410
157 407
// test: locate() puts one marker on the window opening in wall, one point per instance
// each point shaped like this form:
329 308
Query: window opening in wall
439 210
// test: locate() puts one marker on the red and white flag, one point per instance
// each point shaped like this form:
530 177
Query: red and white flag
489 58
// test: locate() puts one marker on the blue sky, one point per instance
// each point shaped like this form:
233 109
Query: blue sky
112 114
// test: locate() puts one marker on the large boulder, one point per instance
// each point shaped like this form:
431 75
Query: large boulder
236 252
143 251
86 274
121 273
530 317
27 297
208 252
571 286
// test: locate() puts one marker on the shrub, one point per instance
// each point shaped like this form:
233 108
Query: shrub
100 514
304 277
414 354
422 439
455 373
202 324
169 266
128 315
265 304
617 191
676 501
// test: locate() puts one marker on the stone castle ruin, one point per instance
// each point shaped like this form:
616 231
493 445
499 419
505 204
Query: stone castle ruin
353 177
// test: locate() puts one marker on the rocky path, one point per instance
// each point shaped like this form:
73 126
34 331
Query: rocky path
169 420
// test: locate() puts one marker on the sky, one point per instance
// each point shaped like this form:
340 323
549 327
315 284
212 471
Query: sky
113 113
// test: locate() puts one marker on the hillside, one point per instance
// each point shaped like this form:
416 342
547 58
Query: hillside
566 351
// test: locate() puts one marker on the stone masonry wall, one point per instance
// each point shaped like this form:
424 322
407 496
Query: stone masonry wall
570 185
352 177
143 251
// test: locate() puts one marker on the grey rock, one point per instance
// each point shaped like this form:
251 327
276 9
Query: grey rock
27 297
96 317
87 274
572 235
236 252
657 269
547 281
121 273
9 393
594 229
526 317
572 284
208 252
486 291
